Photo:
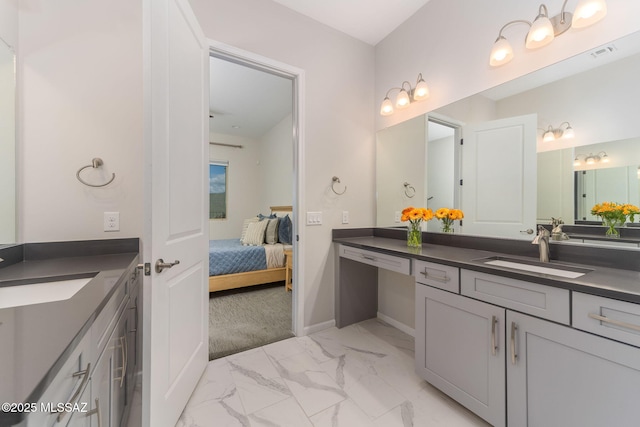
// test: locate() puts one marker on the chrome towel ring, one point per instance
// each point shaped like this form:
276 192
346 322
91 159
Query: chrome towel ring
408 188
335 180
96 162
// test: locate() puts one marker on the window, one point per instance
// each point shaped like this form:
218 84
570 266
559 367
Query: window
218 190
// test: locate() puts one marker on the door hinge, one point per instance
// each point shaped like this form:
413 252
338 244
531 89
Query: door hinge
584 195
461 141
146 267
460 223
297 238
460 182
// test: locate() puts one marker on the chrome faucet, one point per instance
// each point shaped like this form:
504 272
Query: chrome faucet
542 240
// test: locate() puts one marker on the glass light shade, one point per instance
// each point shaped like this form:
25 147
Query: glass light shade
421 91
590 160
387 107
540 34
576 162
501 53
588 12
403 101
548 136
568 133
605 159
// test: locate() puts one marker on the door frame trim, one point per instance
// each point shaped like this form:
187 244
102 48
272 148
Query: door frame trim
297 76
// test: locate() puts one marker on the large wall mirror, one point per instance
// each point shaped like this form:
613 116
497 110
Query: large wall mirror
595 93
7 145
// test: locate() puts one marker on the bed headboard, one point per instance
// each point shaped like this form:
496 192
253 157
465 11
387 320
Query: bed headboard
281 209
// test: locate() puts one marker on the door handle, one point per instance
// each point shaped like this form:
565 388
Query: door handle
494 342
527 231
161 265
514 355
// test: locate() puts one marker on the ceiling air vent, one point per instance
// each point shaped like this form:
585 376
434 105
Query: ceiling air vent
603 51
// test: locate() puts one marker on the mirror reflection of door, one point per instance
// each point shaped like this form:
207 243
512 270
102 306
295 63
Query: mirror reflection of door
441 171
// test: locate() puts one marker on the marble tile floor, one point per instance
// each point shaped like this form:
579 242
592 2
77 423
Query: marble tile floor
361 375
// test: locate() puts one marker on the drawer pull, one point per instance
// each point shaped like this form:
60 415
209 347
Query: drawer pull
96 411
443 279
494 343
514 329
74 399
370 258
614 322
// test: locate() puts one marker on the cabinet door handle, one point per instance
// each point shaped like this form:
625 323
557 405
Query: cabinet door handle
614 322
74 399
443 279
494 343
123 349
514 329
96 411
370 258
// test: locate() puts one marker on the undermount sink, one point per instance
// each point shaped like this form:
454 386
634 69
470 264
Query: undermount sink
38 293
536 267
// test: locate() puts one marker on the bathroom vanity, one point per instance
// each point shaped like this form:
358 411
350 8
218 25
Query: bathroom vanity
70 313
561 340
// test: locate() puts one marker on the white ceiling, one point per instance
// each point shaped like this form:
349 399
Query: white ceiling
244 101
367 20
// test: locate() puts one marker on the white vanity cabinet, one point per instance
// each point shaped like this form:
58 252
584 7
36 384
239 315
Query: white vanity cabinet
559 376
460 349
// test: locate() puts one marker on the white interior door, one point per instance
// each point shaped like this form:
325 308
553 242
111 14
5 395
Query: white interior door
498 194
176 142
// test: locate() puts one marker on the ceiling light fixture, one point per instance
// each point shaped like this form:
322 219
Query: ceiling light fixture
591 159
406 96
551 133
544 29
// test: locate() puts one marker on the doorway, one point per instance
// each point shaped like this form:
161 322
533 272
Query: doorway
253 149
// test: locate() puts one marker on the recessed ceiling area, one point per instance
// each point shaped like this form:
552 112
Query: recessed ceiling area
366 20
244 101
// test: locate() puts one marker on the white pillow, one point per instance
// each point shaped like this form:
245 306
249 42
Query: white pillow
255 233
245 224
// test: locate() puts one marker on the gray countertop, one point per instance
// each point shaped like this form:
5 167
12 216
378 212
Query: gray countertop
37 338
603 281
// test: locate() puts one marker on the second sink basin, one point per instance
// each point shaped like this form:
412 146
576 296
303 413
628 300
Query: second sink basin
536 267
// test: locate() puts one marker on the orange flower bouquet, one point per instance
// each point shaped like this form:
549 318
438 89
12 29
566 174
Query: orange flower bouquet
415 216
614 215
447 216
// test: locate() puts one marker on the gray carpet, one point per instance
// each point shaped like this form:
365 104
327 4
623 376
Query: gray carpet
247 318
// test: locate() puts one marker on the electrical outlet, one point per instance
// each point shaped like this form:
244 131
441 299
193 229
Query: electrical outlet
397 216
345 217
112 221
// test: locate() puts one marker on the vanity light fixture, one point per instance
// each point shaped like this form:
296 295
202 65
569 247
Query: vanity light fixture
406 95
551 134
591 159
544 29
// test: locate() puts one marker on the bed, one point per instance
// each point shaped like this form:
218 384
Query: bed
234 265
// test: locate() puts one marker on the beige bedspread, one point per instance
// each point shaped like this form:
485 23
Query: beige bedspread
275 255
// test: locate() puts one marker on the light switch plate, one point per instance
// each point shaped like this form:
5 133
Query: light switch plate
314 218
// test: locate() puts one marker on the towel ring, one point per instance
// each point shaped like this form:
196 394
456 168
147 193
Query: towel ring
335 180
96 162
409 188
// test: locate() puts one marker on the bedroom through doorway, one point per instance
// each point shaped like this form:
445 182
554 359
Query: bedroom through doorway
251 205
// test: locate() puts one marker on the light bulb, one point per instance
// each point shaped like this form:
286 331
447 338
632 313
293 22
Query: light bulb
588 12
421 91
501 53
387 107
540 34
605 159
576 162
548 136
568 133
402 101
590 160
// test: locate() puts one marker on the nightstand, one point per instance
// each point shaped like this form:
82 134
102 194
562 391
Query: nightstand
288 281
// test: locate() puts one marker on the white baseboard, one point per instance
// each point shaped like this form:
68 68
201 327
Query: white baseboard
401 326
307 330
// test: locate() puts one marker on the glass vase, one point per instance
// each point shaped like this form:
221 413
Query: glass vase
447 226
612 225
414 235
